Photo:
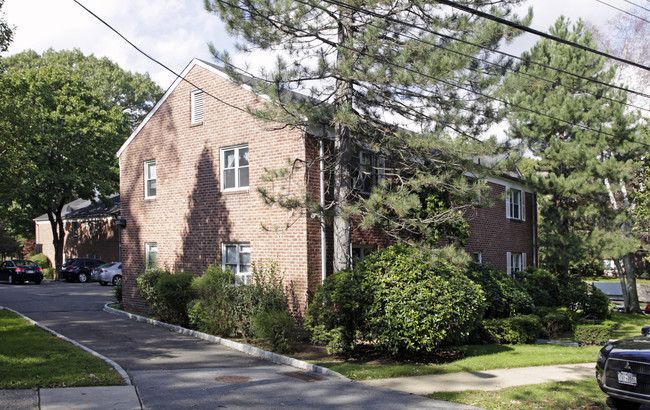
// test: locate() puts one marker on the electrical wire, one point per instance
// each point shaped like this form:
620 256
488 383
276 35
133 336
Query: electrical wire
584 127
623 11
446 82
574 89
539 33
638 5
448 37
178 76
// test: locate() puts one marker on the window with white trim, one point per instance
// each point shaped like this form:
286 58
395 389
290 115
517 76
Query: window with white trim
477 257
237 259
515 204
150 179
360 252
368 169
151 255
196 103
516 262
234 168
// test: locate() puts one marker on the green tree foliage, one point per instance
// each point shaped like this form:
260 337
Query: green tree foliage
134 93
6 31
62 118
585 141
380 77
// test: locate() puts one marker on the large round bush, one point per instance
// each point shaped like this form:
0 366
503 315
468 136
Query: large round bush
504 296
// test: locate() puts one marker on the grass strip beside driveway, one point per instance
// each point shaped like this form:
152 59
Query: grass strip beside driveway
32 358
583 394
477 358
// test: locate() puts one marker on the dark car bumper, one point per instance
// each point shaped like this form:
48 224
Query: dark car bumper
29 277
609 381
69 275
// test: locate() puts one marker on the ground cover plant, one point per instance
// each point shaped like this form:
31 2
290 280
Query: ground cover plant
32 358
576 395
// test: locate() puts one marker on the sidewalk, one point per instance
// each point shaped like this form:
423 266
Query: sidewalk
487 380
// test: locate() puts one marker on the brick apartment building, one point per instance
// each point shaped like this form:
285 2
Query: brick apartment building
92 230
188 182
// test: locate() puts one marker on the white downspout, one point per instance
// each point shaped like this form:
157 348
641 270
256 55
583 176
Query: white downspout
323 246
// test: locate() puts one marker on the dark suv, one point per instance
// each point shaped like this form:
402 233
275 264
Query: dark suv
79 269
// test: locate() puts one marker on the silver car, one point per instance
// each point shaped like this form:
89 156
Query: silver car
108 273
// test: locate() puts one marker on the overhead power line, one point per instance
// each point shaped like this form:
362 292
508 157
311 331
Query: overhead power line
539 33
153 59
361 52
637 5
448 37
623 11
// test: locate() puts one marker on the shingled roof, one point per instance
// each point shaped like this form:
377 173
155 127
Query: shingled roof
83 208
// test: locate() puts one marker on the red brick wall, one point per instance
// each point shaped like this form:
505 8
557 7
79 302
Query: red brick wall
493 234
191 218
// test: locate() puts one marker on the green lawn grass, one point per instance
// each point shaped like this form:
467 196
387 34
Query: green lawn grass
486 357
478 358
32 358
583 394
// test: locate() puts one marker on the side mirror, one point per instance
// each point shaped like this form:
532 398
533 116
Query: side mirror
645 330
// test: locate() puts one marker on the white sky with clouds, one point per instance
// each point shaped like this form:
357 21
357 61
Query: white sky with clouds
175 31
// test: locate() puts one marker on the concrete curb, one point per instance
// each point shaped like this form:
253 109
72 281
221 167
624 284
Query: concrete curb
250 350
116 366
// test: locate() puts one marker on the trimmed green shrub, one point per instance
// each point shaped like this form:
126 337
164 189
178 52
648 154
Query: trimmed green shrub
213 311
41 260
596 302
336 313
168 295
175 293
275 328
593 334
265 293
398 300
555 321
117 293
542 286
522 329
504 296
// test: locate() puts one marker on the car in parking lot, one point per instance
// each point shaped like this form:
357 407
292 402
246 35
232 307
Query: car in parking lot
19 271
623 370
80 269
108 273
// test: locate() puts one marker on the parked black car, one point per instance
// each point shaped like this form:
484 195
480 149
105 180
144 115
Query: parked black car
19 271
79 269
623 370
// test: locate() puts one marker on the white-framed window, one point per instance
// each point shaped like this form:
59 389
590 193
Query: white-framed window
477 257
149 179
368 169
515 205
237 259
516 262
234 168
359 252
196 106
151 255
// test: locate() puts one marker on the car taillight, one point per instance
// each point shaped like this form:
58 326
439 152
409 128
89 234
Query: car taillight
40 270
104 270
19 270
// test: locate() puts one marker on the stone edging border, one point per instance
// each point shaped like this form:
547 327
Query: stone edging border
117 367
250 350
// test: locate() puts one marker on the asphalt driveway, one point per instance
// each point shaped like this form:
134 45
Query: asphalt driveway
172 371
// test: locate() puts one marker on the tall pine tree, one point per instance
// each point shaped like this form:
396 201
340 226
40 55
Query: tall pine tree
389 77
587 143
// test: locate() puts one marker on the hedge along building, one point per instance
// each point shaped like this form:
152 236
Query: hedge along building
189 180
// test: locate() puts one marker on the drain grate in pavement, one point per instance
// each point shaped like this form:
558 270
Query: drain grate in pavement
304 376
234 379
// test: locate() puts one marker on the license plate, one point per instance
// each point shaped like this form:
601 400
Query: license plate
30 271
627 378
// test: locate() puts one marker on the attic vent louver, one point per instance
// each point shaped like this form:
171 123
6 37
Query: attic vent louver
197 106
